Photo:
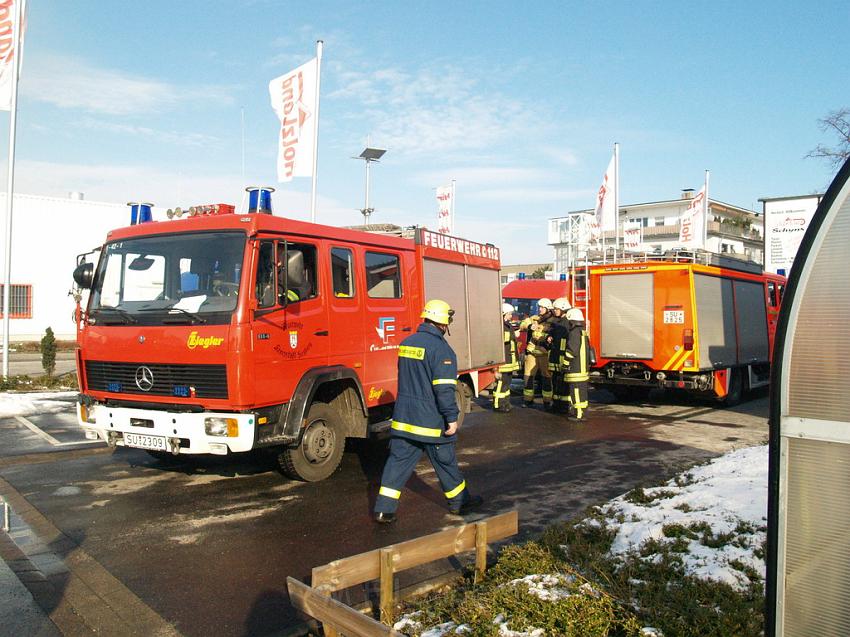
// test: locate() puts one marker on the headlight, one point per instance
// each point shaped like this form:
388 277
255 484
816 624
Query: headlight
221 427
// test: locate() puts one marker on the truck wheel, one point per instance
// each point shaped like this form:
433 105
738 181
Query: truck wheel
736 388
462 398
320 451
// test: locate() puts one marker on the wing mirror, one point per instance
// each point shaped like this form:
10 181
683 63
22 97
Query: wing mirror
84 275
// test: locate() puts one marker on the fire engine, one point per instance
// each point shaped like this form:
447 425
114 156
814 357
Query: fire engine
224 332
689 320
524 293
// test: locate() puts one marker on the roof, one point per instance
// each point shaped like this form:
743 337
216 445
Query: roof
535 289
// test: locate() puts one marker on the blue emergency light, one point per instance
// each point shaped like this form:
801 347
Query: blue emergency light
260 199
563 277
140 212
521 276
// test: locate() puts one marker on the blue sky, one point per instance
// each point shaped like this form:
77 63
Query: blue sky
519 102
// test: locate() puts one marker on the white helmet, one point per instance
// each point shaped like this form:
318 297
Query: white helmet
507 308
574 314
562 304
546 304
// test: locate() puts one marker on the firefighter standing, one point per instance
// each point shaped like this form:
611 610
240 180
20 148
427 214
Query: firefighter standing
537 353
577 363
425 416
560 332
502 393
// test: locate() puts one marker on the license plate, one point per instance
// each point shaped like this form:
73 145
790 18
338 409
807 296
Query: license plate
157 443
675 316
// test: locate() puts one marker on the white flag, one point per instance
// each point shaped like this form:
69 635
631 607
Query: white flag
606 215
294 100
7 49
692 220
445 222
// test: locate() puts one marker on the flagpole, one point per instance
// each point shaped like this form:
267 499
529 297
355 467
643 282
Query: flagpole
452 226
319 44
10 183
616 198
705 215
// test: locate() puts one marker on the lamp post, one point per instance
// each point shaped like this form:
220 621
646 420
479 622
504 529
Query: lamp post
369 155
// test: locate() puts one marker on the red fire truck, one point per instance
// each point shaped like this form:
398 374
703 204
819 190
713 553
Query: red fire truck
226 332
695 321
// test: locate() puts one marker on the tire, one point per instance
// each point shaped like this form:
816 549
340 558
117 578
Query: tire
320 451
462 398
736 388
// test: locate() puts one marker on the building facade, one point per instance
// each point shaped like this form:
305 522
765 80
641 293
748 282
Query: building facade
510 273
47 235
732 230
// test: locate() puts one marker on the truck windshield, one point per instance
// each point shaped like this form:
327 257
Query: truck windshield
186 278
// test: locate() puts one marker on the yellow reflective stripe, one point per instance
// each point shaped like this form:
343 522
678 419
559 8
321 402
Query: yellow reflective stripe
406 351
577 377
458 489
390 493
444 381
419 431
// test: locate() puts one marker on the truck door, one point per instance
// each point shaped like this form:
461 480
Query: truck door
290 326
346 307
387 321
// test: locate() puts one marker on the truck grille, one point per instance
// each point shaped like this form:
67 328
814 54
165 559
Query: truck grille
208 381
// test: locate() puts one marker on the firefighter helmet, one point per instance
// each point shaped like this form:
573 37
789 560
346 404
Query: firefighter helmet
437 311
507 308
574 314
546 304
562 304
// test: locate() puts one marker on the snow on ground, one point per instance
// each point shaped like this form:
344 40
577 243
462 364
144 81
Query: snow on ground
729 495
25 404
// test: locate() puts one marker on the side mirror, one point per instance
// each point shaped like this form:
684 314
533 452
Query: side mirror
84 275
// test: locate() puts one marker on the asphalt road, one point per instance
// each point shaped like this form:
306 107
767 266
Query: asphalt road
202 547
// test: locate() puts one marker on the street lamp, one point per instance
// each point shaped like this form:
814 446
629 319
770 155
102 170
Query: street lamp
369 155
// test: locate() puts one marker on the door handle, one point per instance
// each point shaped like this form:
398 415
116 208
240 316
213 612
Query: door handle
321 332
406 329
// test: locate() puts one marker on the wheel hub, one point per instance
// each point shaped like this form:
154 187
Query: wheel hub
319 442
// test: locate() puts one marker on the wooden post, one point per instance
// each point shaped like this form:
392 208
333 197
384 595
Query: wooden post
386 557
480 551
327 630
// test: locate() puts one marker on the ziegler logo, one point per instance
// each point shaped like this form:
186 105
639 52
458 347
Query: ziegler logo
386 328
203 341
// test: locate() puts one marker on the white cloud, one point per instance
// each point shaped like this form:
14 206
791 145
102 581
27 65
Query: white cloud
531 194
195 140
484 176
74 84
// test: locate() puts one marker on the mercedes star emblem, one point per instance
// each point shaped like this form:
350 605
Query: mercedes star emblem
141 339
144 378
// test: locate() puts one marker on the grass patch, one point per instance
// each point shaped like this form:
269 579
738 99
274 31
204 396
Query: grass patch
24 383
639 495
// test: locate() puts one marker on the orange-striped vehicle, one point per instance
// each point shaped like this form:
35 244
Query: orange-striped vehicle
695 321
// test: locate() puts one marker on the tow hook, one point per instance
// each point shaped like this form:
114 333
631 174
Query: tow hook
610 372
112 439
174 443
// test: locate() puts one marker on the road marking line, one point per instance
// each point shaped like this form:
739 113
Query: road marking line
46 436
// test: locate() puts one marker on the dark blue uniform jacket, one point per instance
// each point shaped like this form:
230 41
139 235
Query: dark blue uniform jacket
427 377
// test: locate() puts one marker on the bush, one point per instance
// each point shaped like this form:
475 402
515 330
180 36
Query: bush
48 352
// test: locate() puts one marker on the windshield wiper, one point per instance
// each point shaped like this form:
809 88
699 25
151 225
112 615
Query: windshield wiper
128 318
194 316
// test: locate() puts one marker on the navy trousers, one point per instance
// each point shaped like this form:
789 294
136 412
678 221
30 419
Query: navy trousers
404 455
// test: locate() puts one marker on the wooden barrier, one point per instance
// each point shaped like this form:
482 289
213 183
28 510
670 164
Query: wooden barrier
382 564
334 613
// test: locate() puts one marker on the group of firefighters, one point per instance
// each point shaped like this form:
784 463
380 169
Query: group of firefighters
557 348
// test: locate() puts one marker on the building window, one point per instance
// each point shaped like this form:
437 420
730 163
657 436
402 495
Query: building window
20 301
659 221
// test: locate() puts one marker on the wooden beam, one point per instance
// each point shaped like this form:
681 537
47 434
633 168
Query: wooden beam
365 567
336 614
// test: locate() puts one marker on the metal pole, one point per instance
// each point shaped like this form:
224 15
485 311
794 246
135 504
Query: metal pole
319 45
10 183
366 210
243 147
705 215
616 198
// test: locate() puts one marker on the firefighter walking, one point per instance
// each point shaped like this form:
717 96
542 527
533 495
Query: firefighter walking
577 363
537 353
560 332
502 393
425 416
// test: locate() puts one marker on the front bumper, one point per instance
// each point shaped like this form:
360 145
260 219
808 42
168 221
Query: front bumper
184 433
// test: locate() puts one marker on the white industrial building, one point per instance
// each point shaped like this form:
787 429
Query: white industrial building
47 235
732 230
